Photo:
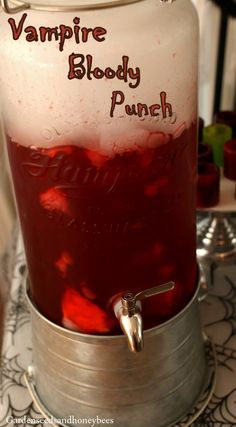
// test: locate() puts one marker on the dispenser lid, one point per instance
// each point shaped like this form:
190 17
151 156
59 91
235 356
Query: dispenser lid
61 5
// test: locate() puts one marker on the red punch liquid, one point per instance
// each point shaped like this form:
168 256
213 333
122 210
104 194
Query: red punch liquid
94 226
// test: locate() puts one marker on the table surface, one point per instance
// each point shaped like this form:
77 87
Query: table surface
218 314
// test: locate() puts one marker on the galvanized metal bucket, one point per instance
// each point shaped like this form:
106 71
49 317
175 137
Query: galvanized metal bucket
86 377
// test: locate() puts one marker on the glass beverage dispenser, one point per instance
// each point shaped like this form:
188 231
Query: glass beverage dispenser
99 108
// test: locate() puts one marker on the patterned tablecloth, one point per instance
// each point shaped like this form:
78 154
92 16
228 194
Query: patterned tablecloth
219 317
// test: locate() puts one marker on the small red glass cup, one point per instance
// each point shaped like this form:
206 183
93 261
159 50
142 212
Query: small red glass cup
208 185
205 153
227 118
230 159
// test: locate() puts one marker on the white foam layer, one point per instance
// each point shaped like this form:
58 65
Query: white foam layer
42 107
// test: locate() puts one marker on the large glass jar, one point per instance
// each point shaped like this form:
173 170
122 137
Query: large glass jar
99 108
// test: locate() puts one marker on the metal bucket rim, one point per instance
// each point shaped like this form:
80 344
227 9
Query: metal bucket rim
147 332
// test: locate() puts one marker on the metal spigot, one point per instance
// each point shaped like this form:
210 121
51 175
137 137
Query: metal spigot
127 308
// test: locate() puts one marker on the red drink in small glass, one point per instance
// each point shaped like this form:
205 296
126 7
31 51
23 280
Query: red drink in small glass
208 185
230 159
205 153
94 226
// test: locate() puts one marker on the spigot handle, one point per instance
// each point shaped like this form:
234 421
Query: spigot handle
129 300
156 290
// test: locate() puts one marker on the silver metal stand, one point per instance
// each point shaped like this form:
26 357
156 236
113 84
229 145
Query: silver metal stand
216 241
